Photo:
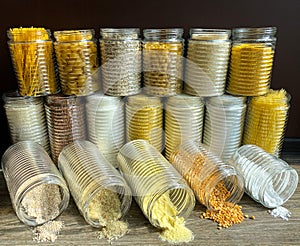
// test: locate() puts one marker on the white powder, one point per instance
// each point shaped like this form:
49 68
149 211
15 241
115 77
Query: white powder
47 232
280 212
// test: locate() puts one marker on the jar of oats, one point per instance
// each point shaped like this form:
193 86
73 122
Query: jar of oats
37 189
77 60
251 62
121 61
162 61
32 55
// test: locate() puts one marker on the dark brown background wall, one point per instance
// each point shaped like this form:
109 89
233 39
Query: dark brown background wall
61 14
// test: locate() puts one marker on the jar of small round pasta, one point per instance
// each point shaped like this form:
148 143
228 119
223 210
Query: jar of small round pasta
37 189
251 63
121 61
268 179
77 60
163 61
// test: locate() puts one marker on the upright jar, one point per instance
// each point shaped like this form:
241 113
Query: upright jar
151 177
121 61
251 62
26 167
183 120
106 124
224 124
207 62
26 119
66 121
268 180
87 173
205 172
144 120
266 121
32 55
162 60
77 60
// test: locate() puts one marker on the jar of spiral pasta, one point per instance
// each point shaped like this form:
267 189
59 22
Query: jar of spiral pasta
77 60
162 61
32 55
251 62
121 61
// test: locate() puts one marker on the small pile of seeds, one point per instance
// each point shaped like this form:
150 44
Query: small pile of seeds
47 232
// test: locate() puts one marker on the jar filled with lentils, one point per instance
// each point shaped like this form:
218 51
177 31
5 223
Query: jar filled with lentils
121 61
76 54
162 60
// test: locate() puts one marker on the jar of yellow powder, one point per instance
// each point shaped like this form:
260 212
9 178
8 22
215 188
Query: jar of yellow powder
162 61
32 55
77 60
251 62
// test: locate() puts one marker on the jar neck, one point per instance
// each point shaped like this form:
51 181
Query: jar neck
261 33
74 35
63 101
28 34
172 34
120 33
209 34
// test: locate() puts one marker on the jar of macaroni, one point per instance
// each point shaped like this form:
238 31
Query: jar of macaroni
163 61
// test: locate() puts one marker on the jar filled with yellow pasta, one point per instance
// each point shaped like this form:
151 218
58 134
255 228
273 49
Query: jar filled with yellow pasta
77 60
162 61
251 63
32 55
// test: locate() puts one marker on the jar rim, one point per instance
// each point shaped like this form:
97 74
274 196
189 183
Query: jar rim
209 34
163 34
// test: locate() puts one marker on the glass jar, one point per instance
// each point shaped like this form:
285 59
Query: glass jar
268 180
183 120
87 172
121 59
162 61
106 124
77 60
251 62
224 123
26 166
266 121
204 171
32 55
151 177
207 62
66 121
26 119
144 120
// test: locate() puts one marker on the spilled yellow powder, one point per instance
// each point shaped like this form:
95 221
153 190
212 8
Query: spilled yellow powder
105 207
173 227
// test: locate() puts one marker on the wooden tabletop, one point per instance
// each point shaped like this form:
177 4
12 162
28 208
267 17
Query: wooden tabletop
264 230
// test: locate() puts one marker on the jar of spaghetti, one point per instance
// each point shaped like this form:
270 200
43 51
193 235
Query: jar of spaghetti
121 61
207 62
77 60
268 179
32 55
251 62
162 61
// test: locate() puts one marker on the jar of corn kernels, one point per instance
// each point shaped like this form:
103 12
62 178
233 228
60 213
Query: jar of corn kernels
210 178
162 61
77 59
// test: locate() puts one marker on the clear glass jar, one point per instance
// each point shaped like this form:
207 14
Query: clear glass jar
204 171
106 124
121 59
26 166
32 55
266 121
65 120
251 62
26 119
87 173
183 120
207 62
268 180
144 120
77 60
163 61
151 176
224 124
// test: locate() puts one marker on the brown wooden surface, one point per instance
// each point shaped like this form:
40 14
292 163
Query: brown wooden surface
264 230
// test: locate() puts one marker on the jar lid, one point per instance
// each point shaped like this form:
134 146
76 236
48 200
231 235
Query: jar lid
169 34
209 34
74 35
119 33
